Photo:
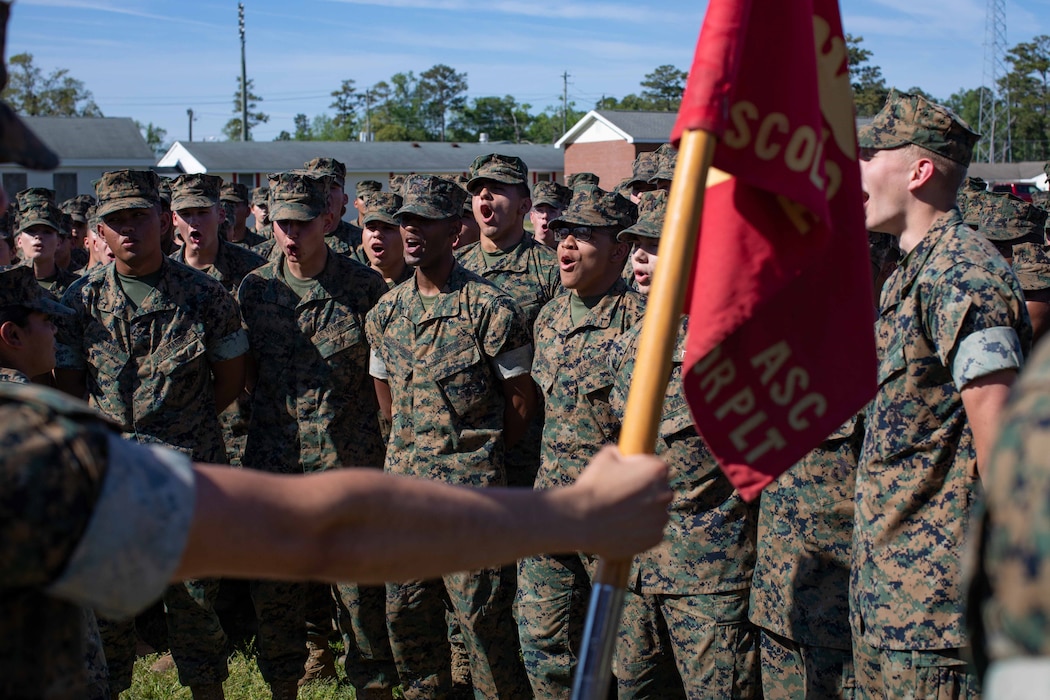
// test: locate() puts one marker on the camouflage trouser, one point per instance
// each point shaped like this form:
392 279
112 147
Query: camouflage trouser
234 423
418 630
793 671
320 613
198 643
281 639
118 643
362 621
522 460
94 660
687 646
941 674
551 611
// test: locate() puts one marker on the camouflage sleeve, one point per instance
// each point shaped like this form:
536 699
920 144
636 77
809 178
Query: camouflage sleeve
69 353
226 337
966 301
503 328
134 541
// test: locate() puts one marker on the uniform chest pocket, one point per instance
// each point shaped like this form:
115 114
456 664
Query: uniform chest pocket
594 381
458 371
181 357
892 363
339 336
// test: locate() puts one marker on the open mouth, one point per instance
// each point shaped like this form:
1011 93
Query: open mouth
485 211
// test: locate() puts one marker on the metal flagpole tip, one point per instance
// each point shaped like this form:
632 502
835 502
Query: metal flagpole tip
599 638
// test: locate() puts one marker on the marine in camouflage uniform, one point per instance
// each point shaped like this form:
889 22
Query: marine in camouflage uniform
455 363
345 237
1008 581
39 218
576 333
800 588
549 199
151 346
1031 264
525 270
691 590
27 308
381 246
236 194
951 314
77 209
313 405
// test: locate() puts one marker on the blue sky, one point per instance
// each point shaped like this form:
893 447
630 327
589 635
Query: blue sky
154 59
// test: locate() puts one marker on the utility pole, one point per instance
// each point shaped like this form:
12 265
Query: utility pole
244 75
189 113
564 102
368 114
994 117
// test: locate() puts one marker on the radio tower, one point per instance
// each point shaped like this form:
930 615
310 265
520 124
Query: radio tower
994 119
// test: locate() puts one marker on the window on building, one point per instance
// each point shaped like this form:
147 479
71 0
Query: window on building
14 183
65 186
246 179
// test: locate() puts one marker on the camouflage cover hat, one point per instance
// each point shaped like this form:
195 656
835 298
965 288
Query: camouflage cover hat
593 206
1031 264
234 192
18 287
7 221
364 187
497 167
298 195
164 190
36 206
195 190
126 189
577 179
78 206
431 197
552 193
912 119
381 206
971 188
644 168
396 183
327 167
1041 199
260 196
666 159
651 209
66 230
1005 218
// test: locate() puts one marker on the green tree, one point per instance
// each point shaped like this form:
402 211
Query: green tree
398 115
663 88
302 127
967 104
232 130
869 87
155 136
346 103
546 127
57 94
442 91
630 102
1027 87
502 118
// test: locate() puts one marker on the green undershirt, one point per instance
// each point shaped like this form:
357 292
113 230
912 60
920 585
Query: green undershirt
300 288
138 288
579 306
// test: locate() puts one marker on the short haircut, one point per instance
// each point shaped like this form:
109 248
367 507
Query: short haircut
952 172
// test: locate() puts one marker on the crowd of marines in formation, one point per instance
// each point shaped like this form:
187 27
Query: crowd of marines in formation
436 336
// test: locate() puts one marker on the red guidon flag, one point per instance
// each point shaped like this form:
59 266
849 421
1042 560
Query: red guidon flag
781 347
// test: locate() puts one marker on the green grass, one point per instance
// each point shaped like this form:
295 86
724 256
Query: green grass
245 683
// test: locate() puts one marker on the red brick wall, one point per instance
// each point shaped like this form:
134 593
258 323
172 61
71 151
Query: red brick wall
609 160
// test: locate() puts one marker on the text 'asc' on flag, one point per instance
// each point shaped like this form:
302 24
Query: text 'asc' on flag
781 348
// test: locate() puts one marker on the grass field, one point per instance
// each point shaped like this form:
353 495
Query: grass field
245 683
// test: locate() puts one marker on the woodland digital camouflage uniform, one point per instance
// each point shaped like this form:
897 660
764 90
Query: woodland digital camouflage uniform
1009 580
58 456
237 193
381 206
313 408
346 238
448 410
800 589
528 273
905 582
690 592
571 368
36 206
149 369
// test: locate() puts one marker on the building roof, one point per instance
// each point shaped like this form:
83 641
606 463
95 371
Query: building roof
1025 171
632 127
369 157
99 141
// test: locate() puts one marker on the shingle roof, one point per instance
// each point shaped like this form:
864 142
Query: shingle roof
645 127
995 172
375 156
102 139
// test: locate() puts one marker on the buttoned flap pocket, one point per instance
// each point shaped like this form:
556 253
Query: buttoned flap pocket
106 359
337 337
458 370
181 356
676 416
892 363
594 376
530 303
543 374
